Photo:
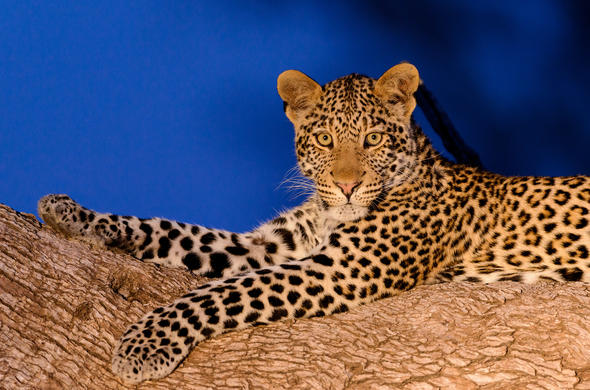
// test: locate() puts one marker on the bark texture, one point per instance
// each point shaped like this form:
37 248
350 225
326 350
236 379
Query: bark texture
63 304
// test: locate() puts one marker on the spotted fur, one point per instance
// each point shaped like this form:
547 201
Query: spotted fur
386 216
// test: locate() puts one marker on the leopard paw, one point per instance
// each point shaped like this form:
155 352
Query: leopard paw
72 220
63 214
146 353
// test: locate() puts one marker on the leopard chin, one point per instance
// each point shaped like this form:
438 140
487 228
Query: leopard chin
347 212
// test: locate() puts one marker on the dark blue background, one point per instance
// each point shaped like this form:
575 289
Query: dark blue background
169 108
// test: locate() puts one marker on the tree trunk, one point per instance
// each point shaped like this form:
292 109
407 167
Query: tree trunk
63 304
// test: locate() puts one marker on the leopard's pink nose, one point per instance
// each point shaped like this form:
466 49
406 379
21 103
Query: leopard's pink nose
347 187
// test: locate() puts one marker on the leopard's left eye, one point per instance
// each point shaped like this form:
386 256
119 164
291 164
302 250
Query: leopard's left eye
373 139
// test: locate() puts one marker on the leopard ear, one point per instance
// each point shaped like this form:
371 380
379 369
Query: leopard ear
396 88
299 92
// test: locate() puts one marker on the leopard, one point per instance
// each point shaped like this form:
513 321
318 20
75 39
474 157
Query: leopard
388 213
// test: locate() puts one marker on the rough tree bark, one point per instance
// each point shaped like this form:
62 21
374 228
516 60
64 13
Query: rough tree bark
63 304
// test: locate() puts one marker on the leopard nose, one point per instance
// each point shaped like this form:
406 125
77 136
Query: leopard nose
347 187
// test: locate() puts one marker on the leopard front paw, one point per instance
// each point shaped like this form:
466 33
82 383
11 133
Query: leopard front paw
146 352
63 214
66 216
141 366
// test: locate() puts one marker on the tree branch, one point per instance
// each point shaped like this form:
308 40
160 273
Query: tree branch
63 304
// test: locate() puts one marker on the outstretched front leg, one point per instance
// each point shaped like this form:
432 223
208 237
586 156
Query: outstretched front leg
327 283
210 252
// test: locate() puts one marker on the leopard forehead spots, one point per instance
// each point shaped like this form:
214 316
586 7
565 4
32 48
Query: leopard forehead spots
343 107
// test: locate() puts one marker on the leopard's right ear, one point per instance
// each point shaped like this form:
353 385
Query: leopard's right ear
299 92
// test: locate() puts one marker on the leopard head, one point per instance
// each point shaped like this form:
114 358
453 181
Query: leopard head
353 136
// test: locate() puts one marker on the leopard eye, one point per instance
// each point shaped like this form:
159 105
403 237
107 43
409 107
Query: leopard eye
324 139
373 139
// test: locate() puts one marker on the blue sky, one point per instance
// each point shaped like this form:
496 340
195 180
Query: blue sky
170 109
